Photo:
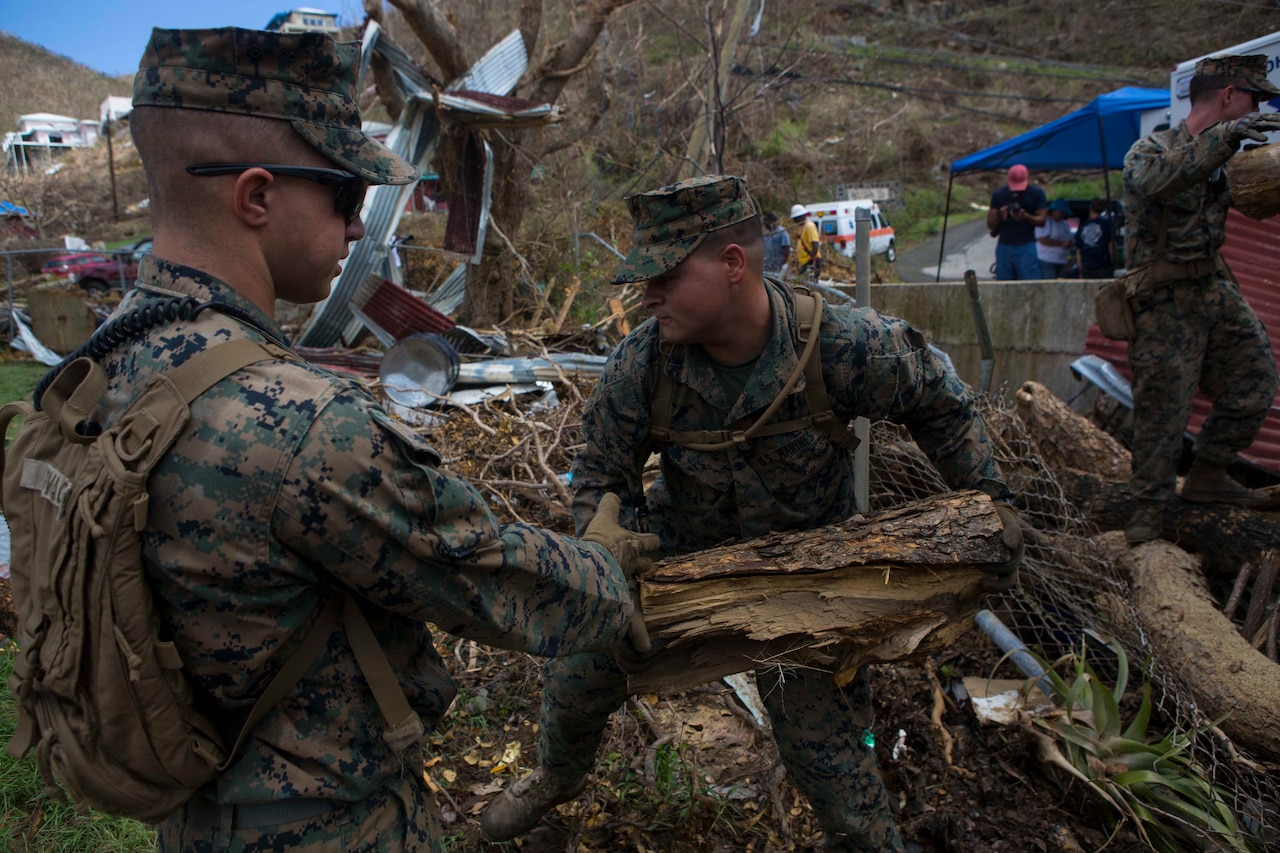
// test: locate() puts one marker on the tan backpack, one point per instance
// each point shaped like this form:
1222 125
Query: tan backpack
101 696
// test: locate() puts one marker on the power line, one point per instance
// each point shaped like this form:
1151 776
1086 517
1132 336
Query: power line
921 90
958 66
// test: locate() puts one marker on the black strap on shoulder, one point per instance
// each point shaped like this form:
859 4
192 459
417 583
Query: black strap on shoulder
808 320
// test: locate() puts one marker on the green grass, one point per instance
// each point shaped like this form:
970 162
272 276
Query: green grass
33 822
17 380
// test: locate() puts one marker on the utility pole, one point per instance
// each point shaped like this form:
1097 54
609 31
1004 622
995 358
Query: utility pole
111 166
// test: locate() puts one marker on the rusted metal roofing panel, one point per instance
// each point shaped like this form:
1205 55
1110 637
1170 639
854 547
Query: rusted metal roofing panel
1253 251
393 313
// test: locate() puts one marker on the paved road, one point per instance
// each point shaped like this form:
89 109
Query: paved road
968 247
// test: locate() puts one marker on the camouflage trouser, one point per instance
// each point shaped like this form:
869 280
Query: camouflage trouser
400 817
818 727
1196 334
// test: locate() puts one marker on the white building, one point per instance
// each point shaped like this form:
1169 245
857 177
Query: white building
45 134
115 107
305 20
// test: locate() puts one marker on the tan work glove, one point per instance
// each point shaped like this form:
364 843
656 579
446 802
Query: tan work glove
625 546
1253 126
1005 575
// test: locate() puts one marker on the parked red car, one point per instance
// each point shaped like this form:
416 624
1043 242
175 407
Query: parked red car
72 264
119 270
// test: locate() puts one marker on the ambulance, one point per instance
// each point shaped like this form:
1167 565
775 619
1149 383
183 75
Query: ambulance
836 226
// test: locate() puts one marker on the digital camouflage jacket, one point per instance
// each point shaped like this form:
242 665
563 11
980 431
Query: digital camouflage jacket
875 366
1175 169
291 481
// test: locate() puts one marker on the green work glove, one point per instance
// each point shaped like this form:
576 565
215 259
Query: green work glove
1252 126
1005 575
625 546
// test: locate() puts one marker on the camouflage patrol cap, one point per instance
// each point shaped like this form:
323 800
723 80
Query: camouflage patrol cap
307 79
672 221
1252 68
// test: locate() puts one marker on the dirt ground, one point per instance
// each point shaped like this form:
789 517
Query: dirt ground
718 785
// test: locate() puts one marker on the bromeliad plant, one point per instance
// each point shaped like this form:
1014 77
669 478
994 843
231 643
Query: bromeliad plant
1157 784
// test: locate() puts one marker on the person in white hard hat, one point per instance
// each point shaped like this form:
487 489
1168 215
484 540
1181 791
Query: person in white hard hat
808 250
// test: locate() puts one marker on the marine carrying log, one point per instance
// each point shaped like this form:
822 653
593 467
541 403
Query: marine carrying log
899 584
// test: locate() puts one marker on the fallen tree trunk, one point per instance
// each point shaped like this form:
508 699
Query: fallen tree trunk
1225 536
1225 674
1067 439
900 584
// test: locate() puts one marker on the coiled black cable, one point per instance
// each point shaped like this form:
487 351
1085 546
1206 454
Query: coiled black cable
125 327
141 320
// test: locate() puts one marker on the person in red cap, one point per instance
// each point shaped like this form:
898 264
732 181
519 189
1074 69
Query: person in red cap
1016 211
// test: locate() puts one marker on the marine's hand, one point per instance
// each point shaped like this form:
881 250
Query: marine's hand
1005 575
625 545
1253 126
637 651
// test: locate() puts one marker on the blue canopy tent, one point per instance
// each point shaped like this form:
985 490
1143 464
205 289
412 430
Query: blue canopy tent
1096 136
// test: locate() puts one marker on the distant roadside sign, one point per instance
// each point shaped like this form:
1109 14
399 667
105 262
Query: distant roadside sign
885 193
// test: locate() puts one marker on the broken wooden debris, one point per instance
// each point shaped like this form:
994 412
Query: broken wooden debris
895 586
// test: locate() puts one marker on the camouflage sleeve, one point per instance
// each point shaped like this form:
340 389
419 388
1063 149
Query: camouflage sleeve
894 376
1156 169
364 498
615 430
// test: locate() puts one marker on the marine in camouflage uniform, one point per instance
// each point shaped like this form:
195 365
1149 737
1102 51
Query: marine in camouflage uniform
873 366
1193 326
291 482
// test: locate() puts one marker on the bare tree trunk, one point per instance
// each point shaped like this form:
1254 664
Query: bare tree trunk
383 79
491 285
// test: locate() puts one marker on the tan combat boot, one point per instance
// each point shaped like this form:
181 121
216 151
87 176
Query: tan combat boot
1147 523
1207 483
522 805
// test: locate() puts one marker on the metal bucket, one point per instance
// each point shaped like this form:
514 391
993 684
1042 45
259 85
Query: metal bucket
416 371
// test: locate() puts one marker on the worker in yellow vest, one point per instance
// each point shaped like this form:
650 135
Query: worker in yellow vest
808 250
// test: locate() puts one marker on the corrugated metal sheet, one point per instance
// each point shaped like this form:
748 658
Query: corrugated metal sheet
414 137
1253 250
499 70
393 313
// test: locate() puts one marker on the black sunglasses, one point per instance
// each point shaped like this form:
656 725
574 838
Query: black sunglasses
1256 94
347 200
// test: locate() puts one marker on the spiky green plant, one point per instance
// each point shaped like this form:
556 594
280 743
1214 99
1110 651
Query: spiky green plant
1153 781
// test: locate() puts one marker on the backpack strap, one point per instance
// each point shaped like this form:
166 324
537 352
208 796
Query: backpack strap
808 319
205 369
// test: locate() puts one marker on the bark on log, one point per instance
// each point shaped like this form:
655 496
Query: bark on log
900 584
1225 674
1224 536
1255 190
1067 439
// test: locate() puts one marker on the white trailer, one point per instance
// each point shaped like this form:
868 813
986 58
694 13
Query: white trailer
1180 77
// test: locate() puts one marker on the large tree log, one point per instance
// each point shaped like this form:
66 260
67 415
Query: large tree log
1224 536
903 583
1225 674
1067 439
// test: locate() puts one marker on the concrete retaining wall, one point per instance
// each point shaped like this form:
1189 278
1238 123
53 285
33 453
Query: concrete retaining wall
1037 327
